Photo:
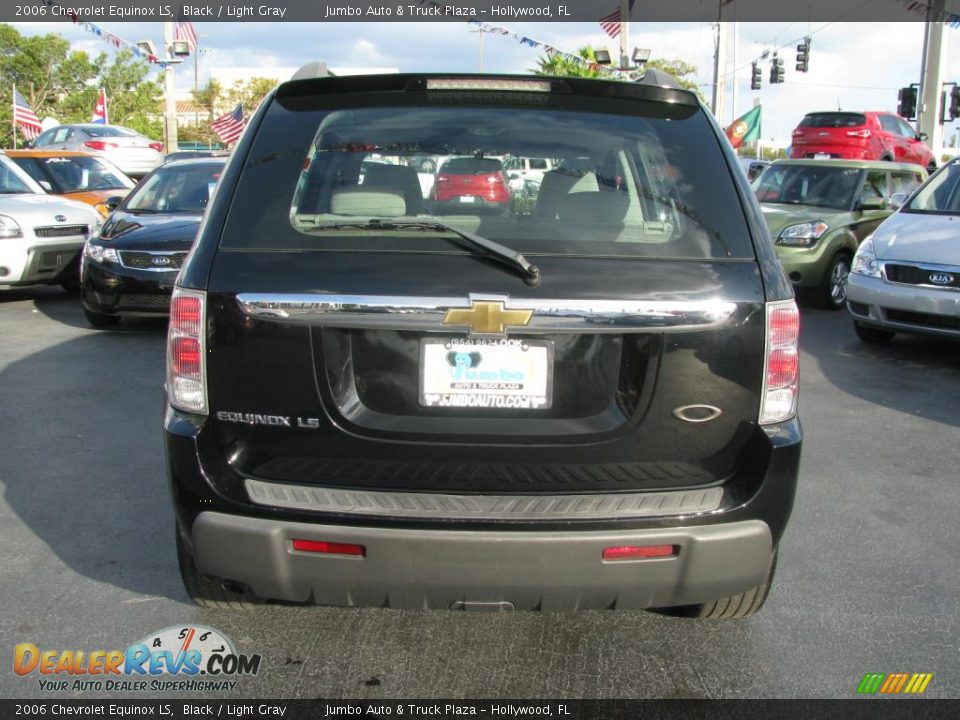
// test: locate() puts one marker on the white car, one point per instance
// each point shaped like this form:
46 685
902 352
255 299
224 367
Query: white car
905 277
41 235
130 151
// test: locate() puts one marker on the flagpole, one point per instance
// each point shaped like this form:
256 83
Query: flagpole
13 107
624 41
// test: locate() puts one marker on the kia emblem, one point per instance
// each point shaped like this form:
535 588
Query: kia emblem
161 261
60 218
941 278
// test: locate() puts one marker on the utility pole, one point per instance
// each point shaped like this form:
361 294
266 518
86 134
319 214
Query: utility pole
719 67
170 91
931 81
733 76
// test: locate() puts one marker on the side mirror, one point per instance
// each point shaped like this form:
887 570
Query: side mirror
897 200
873 203
113 203
922 137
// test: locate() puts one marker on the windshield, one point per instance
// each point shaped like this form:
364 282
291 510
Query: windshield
831 187
78 173
13 180
941 194
175 189
641 178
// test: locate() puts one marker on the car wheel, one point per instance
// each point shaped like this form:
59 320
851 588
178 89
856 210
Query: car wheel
833 292
736 606
99 320
207 591
872 335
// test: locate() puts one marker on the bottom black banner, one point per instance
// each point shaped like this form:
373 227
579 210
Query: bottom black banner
862 709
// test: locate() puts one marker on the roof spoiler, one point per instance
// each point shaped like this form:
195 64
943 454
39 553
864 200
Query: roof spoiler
660 78
314 69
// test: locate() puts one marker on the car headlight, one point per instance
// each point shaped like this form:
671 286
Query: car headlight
9 227
865 261
803 234
99 253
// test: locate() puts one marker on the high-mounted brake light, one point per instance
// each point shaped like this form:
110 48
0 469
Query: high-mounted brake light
186 349
483 84
781 361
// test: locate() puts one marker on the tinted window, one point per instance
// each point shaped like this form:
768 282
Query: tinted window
640 178
889 124
75 174
45 138
833 120
941 194
831 187
176 189
538 164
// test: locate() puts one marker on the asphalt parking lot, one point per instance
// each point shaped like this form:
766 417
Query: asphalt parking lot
867 580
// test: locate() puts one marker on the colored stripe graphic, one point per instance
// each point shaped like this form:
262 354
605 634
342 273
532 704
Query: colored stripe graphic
894 683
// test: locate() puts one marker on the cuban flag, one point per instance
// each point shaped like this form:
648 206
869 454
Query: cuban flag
100 111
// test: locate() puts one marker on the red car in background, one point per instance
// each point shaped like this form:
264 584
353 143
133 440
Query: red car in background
867 135
471 182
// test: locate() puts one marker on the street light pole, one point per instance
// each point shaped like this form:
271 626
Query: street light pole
624 29
170 91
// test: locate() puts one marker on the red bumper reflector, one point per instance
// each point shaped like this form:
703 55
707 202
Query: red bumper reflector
327 548
639 552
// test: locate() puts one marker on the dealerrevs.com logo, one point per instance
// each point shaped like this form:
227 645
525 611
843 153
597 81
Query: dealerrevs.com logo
181 658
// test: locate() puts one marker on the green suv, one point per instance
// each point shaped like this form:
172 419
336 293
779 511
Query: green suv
819 211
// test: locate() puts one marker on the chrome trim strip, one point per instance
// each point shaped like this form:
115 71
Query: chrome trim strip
613 506
425 314
927 267
153 252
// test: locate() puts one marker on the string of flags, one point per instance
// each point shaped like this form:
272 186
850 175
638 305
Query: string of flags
546 47
107 36
936 14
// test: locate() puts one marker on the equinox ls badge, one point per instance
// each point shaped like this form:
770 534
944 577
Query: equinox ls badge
487 317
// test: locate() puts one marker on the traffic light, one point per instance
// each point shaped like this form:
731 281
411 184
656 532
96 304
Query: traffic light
907 105
954 102
803 55
776 70
756 77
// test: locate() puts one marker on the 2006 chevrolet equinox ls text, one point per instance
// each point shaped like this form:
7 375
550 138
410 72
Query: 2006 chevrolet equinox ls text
583 398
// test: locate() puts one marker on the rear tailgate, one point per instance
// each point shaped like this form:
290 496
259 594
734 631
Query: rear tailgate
312 380
832 129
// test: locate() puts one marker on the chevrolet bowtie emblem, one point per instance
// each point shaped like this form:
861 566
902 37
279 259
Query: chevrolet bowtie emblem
487 318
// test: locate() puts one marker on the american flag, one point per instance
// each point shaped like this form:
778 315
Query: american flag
186 32
25 118
611 23
229 127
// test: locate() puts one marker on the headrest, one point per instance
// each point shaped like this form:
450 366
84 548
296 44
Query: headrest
598 208
361 201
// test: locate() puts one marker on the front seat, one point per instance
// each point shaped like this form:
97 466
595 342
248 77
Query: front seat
401 178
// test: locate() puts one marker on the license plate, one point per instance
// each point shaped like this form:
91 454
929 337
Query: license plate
481 373
821 156
467 198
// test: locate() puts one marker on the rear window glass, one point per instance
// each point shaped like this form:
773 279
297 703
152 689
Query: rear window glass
74 173
833 120
831 187
630 177
109 131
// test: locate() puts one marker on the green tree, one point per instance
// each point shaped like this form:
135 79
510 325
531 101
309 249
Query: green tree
248 93
210 98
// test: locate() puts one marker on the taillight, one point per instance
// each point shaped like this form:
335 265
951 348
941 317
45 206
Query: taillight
780 382
862 133
100 144
157 146
329 548
186 347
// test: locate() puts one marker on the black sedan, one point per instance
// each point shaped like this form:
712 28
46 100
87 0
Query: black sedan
130 269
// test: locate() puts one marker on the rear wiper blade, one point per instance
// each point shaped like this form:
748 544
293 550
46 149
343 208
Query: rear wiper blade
504 255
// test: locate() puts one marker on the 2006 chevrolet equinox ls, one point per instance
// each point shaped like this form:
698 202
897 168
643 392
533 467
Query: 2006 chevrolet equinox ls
583 398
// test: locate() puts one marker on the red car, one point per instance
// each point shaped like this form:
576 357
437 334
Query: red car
860 136
471 182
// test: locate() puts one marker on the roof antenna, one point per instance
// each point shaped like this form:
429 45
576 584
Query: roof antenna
838 105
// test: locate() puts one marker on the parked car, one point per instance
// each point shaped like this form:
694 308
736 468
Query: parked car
753 167
860 136
130 151
819 211
130 268
906 275
41 235
76 175
519 169
469 181
370 405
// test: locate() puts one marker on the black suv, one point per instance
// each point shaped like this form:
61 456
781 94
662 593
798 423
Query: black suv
584 400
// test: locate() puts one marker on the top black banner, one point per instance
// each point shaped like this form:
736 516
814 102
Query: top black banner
947 11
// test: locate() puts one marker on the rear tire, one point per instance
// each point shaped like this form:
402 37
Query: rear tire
833 291
736 606
71 287
99 320
872 335
207 591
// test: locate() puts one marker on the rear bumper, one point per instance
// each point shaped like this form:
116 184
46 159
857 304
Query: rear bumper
414 568
844 152
903 308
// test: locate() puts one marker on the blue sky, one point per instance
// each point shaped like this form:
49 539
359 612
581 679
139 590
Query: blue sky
858 66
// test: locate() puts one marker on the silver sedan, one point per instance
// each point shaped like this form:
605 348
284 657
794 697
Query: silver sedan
906 276
130 151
